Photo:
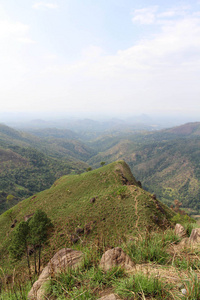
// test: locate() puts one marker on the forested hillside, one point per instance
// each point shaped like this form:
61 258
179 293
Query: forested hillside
27 169
167 162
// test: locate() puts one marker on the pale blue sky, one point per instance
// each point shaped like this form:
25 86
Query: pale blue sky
92 56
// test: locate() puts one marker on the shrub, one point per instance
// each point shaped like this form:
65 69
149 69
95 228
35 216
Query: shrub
122 192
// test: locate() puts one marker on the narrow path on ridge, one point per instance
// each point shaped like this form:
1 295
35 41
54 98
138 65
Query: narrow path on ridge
136 209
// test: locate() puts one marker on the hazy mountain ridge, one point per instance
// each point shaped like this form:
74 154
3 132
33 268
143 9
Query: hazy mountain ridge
27 169
166 162
71 149
188 129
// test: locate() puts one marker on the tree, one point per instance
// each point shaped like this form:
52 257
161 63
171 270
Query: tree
102 163
33 232
19 243
89 169
38 226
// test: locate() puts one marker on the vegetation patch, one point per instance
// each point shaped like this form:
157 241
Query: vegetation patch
140 286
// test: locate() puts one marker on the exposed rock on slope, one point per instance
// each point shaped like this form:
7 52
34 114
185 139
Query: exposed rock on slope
180 231
195 236
116 257
62 260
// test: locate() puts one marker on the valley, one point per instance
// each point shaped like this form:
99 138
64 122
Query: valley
165 161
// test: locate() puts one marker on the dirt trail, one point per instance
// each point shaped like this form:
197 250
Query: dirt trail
136 209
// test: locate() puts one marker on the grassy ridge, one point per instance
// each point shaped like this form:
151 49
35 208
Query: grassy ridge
118 212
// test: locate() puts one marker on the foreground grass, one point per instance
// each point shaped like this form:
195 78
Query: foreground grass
140 286
17 291
152 247
89 281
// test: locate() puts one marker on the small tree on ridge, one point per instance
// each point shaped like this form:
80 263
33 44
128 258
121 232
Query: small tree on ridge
34 233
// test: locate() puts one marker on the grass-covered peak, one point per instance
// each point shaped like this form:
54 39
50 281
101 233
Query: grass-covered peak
105 204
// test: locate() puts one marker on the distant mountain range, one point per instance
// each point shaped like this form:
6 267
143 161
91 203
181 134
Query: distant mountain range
167 162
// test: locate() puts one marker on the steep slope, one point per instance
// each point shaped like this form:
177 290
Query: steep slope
166 162
30 164
119 209
171 170
25 171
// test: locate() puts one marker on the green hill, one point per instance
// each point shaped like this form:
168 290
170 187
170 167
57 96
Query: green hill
25 171
30 164
166 162
120 208
171 169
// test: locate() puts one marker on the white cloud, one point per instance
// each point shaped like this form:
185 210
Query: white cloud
14 40
167 14
51 56
92 52
161 72
153 15
43 5
26 40
145 15
12 29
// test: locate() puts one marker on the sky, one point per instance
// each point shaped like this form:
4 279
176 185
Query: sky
117 57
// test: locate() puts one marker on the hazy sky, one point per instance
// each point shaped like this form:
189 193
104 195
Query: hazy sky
116 56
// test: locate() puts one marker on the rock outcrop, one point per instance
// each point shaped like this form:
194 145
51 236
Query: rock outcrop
62 260
192 241
116 257
180 231
195 236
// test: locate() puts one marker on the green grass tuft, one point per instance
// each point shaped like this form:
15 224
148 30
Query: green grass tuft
140 286
152 247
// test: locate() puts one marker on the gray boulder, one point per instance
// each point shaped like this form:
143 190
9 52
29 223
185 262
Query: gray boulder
180 231
195 236
116 257
62 260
